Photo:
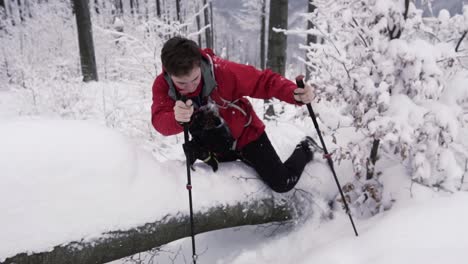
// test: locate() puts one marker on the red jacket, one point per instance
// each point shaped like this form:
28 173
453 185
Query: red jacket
234 82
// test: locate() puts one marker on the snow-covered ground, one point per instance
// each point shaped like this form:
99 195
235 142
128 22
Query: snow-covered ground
66 180
80 159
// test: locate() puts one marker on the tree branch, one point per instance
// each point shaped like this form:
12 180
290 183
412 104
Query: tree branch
460 41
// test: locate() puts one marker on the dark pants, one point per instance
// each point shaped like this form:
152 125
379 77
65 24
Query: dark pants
260 154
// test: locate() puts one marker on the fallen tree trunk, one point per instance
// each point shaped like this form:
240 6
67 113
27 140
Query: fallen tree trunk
118 244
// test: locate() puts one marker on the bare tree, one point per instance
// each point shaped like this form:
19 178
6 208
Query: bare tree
198 24
96 6
277 40
310 37
158 8
276 43
212 26
262 34
119 7
178 9
133 7
208 37
85 39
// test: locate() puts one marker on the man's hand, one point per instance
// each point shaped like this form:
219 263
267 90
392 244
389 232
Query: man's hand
183 111
304 95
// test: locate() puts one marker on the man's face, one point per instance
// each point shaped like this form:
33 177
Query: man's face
188 83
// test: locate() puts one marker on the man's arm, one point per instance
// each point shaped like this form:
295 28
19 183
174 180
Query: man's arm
259 84
162 110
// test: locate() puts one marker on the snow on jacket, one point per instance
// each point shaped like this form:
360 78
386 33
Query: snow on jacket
233 83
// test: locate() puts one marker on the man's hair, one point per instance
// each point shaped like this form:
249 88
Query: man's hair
180 55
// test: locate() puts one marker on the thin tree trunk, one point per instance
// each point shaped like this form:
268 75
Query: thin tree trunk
132 7
146 10
11 12
262 35
199 24
372 159
212 26
208 38
5 10
178 10
27 8
20 10
117 244
310 38
85 39
277 43
96 6
158 8
119 7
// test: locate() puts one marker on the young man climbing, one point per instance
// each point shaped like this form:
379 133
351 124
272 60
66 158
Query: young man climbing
209 93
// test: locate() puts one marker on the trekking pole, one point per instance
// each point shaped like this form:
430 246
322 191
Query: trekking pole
300 84
189 188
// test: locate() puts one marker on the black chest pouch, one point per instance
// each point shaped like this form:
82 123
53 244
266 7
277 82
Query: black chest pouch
210 130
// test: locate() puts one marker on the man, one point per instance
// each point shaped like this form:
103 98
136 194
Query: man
208 93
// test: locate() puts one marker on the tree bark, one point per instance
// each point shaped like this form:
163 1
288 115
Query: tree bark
372 159
85 39
158 8
199 25
208 38
262 35
96 7
178 10
212 27
310 38
20 10
118 244
132 7
277 43
119 7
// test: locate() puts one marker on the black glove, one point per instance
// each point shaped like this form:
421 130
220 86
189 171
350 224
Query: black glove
193 151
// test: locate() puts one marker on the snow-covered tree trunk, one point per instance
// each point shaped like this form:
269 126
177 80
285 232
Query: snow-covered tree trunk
117 244
262 34
85 39
208 33
277 43
311 38
158 8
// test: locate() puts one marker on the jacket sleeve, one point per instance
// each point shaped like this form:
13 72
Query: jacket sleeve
162 109
265 84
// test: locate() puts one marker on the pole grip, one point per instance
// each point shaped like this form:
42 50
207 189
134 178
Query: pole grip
300 81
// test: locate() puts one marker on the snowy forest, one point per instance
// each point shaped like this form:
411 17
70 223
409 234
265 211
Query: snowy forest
85 177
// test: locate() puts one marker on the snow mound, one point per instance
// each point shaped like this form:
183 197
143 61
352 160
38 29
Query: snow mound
62 181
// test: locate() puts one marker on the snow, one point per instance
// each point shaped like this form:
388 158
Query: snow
425 229
415 233
78 179
78 160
